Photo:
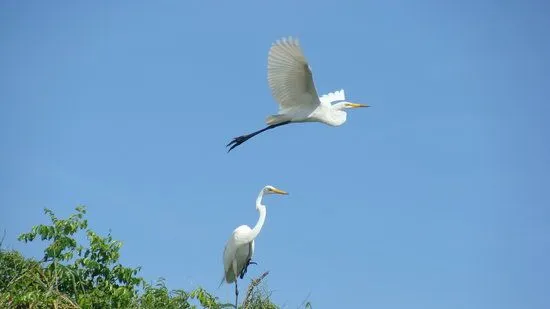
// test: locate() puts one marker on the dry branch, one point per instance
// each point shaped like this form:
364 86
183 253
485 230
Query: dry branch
251 287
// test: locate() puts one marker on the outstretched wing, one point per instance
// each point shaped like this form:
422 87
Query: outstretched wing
289 76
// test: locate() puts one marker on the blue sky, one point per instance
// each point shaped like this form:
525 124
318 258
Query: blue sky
436 197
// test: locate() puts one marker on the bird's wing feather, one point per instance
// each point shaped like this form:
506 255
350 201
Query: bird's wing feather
289 76
228 256
250 250
236 240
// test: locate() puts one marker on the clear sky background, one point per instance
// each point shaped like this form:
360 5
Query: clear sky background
435 197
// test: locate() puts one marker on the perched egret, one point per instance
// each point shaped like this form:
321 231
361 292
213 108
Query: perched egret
240 246
291 82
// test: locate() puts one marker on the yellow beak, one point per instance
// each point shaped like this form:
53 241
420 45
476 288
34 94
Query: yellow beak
275 190
356 105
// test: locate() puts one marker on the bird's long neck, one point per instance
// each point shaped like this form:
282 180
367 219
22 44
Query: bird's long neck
262 210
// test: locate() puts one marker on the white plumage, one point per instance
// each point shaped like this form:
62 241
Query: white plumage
289 77
333 97
239 248
291 82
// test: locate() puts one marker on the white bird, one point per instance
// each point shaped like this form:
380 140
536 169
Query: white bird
239 248
291 82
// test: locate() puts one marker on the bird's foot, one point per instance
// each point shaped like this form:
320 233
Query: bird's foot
245 269
237 141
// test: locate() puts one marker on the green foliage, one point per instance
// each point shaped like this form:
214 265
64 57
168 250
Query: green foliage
24 283
159 296
260 299
94 279
71 275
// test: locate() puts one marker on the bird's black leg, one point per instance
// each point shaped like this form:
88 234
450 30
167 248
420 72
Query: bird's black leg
239 140
245 268
243 138
236 294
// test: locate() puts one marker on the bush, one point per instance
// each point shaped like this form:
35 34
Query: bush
71 275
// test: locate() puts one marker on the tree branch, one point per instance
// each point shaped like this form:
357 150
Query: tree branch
251 287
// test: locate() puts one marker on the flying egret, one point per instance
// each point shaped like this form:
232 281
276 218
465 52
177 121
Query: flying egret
239 248
291 82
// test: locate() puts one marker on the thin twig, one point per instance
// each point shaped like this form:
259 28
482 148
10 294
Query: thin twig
305 302
251 287
2 240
